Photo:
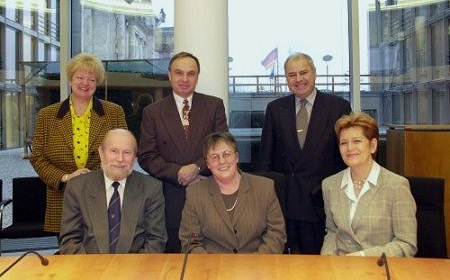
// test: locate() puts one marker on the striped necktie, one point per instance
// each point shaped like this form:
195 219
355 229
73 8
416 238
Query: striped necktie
186 117
114 218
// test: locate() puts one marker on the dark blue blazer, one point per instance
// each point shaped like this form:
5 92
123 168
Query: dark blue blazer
304 168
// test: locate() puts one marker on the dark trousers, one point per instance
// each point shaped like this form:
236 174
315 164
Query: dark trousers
304 237
173 244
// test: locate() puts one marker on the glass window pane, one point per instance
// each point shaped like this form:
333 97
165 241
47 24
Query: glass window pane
260 39
408 60
24 66
135 41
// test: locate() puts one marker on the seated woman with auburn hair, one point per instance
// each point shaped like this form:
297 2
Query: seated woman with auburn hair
369 209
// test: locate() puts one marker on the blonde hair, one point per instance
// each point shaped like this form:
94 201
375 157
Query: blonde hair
88 62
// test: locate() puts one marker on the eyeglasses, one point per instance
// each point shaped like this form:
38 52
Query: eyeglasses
226 155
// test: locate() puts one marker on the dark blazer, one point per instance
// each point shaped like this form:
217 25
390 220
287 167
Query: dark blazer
384 222
163 148
304 168
52 155
84 227
257 225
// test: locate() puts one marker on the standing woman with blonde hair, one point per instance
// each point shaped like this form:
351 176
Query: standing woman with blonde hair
68 134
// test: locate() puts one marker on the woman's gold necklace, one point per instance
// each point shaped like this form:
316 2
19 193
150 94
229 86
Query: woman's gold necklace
237 196
359 184
234 204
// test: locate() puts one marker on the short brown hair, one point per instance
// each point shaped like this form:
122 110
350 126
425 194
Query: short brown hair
86 61
368 125
216 137
183 55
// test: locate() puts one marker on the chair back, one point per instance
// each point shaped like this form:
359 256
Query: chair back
280 184
29 203
428 192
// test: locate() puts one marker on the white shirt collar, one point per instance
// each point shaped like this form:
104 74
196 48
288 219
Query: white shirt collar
109 182
179 99
179 102
310 98
372 178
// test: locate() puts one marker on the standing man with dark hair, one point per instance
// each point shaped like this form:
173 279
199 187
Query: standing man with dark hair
172 134
298 140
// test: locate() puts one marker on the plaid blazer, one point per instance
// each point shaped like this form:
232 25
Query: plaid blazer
384 221
52 155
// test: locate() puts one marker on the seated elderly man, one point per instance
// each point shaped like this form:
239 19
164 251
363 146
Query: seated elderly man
115 209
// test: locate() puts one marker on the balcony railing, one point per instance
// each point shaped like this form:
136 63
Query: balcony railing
277 85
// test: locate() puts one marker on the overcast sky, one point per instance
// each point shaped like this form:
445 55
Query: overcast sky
317 28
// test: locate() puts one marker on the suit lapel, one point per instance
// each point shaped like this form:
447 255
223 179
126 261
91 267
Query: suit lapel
319 115
66 129
244 188
364 203
132 205
344 205
171 119
218 203
99 215
288 122
93 132
197 120
288 125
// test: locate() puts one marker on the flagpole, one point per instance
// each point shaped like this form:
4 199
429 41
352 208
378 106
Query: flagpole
278 73
269 61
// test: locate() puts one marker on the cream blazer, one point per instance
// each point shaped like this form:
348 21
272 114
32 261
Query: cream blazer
384 221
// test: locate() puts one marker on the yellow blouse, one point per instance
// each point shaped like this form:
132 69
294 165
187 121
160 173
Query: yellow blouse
80 129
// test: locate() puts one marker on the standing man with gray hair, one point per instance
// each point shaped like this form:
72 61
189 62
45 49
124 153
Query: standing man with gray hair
298 140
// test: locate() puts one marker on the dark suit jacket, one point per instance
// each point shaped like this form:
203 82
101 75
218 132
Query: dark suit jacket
384 222
84 227
163 148
257 225
52 155
304 168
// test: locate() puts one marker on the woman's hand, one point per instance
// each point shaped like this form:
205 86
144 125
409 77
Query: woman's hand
77 172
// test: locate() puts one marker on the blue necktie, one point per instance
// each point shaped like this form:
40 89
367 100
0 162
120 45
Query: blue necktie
114 218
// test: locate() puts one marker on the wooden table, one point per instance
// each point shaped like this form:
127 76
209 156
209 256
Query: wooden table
227 267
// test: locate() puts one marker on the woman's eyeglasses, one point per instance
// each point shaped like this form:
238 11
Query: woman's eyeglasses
226 155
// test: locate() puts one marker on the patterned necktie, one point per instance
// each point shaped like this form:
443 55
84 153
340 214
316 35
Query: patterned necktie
114 218
302 122
186 117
